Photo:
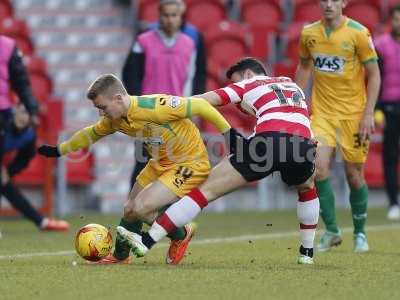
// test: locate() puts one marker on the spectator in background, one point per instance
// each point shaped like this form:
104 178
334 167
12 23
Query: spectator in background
169 58
13 77
388 48
20 137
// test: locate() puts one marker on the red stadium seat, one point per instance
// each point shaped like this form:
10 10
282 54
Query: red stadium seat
367 14
215 74
12 27
148 10
19 31
34 174
287 69
6 9
307 11
292 37
212 83
262 13
205 13
80 168
227 43
262 40
35 64
373 166
42 86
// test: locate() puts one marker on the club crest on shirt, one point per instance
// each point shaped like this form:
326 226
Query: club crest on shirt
347 46
174 102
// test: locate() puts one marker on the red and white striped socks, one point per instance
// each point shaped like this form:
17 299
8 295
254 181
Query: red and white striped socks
178 214
307 214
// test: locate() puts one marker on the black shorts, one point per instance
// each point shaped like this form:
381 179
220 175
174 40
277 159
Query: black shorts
268 152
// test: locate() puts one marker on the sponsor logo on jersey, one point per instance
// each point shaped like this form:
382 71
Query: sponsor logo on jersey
153 141
174 102
330 64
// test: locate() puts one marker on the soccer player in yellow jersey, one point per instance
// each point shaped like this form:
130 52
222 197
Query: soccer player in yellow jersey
337 51
179 158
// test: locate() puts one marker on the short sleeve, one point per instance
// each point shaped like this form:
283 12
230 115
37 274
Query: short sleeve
365 47
232 93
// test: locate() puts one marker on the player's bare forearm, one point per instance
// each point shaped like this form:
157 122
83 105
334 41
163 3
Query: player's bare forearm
211 97
303 73
367 125
373 86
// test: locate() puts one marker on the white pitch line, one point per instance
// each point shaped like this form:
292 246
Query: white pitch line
267 236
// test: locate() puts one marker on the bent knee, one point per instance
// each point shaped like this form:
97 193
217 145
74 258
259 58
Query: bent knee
134 209
355 179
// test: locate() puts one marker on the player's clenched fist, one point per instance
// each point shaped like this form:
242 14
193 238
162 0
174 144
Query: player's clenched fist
49 151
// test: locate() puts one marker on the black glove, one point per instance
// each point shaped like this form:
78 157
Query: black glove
234 136
49 151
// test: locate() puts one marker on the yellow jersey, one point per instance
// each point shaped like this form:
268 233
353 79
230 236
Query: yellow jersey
161 121
339 89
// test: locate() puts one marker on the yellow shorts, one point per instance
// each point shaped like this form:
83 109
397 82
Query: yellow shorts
343 133
179 178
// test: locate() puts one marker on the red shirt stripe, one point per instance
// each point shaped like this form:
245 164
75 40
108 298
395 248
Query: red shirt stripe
286 109
277 125
260 102
238 90
224 96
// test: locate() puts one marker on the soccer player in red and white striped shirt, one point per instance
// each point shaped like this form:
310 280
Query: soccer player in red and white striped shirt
281 142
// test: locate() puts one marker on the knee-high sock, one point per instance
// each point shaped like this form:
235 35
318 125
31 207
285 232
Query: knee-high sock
359 203
179 233
121 251
327 202
178 214
307 214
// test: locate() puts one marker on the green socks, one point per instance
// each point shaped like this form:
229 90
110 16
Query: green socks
178 234
327 204
121 249
359 203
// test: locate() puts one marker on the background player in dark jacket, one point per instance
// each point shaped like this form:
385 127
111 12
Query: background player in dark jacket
20 137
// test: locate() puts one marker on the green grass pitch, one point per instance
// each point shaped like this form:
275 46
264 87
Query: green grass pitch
233 256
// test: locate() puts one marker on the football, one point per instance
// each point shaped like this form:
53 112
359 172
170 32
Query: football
93 242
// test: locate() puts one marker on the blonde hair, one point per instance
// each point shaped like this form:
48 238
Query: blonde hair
106 84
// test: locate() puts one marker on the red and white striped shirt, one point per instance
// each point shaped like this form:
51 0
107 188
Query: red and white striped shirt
277 102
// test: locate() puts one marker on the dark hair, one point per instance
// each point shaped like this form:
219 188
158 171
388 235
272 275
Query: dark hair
180 3
247 63
394 9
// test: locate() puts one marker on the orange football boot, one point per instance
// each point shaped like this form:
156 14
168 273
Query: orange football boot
111 259
177 248
55 225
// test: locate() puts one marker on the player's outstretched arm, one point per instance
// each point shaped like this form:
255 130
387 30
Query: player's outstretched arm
203 109
211 97
206 111
82 139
